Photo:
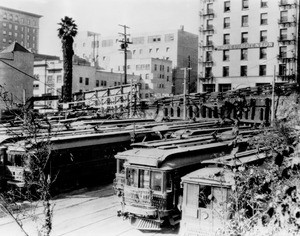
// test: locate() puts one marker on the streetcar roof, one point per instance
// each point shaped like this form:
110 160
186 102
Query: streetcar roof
155 156
238 159
211 176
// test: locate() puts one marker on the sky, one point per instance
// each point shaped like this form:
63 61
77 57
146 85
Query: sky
104 17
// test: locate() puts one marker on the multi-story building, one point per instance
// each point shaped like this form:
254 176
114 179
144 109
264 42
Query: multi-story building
177 46
86 46
16 75
155 76
48 71
20 26
246 42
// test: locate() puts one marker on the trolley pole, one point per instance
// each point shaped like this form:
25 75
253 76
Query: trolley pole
124 44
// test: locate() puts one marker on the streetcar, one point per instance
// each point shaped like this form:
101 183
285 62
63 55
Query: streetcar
206 192
148 179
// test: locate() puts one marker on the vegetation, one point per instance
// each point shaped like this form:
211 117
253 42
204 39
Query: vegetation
34 200
66 32
265 199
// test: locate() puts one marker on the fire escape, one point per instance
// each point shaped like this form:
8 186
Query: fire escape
206 45
287 41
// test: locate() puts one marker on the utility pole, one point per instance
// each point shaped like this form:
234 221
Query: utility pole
273 98
184 90
124 44
189 80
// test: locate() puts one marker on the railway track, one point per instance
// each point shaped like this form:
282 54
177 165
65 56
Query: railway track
83 213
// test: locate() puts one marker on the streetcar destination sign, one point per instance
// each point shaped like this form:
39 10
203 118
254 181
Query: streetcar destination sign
244 45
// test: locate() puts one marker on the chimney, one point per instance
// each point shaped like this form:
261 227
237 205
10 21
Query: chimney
182 27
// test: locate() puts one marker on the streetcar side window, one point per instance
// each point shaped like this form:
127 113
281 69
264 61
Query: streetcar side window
168 182
156 180
144 178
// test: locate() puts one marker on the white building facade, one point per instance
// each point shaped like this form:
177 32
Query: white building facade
246 42
177 46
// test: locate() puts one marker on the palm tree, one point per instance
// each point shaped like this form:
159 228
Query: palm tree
66 32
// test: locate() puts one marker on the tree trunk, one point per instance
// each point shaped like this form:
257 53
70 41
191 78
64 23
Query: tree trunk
68 69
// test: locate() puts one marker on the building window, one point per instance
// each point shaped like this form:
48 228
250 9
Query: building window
227 6
10 33
157 50
4 32
226 22
4 16
244 54
283 16
86 81
225 71
146 76
80 79
16 18
155 67
224 87
209 88
10 26
245 4
146 86
16 35
154 39
264 3
263 36
243 70
168 68
36 86
244 21
4 24
282 69
167 49
244 38
226 39
50 79
209 40
263 18
262 70
208 56
283 52
150 50
208 72
263 53
16 27
28 22
283 34
59 79
10 17
225 55
209 24
4 40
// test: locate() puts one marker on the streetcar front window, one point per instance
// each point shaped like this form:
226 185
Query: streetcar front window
132 177
204 196
156 180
